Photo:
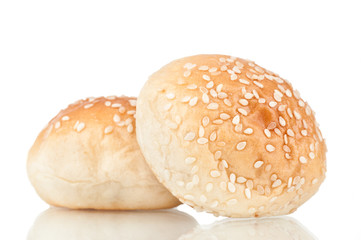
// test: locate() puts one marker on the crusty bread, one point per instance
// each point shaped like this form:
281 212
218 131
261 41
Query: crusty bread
88 157
229 137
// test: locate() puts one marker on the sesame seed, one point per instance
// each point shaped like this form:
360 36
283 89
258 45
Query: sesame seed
272 104
249 184
308 110
213 93
212 106
223 68
260 189
108 129
314 181
248 95
242 111
224 116
288 93
311 155
312 147
247 192
281 108
214 204
80 126
116 118
209 187
131 112
290 133
270 148
289 112
217 155
243 102
213 136
304 123
277 183
194 169
267 133
236 119
241 145
238 128
271 126
65 118
215 173
170 96
241 180
268 168
224 163
304 133
277 95
255 93
205 98
232 177
190 160
296 93
297 115
261 100
273 199
201 131
258 84
210 84
233 77
206 77
193 101
186 99
130 128
205 121
285 139
286 148
303 160
57 125
121 109
231 187
222 95
187 73
243 81
227 102
189 197
116 105
213 69
203 68
133 102
282 121
167 106
192 86
202 140
301 103
258 164
190 65
203 198
88 105
248 131
232 201
180 183
195 180
274 177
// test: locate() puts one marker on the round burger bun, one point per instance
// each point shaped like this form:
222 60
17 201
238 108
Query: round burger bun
87 157
227 136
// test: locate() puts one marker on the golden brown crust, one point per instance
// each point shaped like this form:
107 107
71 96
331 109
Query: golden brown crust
88 157
254 141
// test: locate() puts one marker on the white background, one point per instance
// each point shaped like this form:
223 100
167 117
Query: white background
55 52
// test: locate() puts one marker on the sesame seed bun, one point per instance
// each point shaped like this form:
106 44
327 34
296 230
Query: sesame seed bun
227 136
88 157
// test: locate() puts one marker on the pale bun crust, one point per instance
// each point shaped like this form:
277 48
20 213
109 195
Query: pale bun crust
88 158
226 136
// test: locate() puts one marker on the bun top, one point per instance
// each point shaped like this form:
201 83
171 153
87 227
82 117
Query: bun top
245 125
88 157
